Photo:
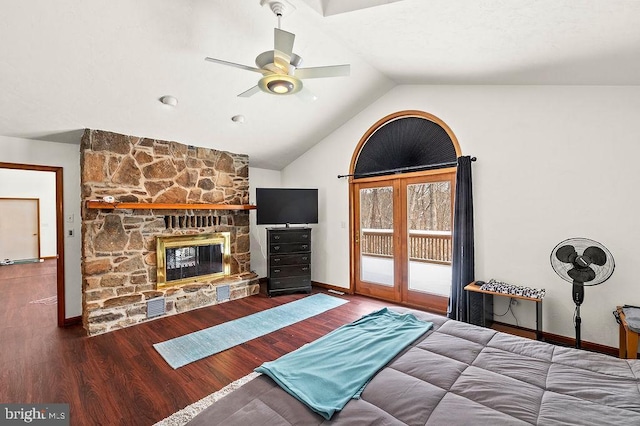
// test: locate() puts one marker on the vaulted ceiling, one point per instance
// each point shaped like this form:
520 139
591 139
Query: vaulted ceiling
67 65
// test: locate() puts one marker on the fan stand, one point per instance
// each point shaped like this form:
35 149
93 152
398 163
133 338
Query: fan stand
578 298
574 261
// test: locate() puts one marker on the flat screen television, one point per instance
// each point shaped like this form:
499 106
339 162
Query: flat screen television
284 206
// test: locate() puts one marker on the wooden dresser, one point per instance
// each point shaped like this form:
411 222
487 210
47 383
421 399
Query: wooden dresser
288 260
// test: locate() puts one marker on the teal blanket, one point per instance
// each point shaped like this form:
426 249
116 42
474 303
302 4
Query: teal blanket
326 373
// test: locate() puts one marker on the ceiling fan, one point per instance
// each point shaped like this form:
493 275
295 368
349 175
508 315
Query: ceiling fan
280 67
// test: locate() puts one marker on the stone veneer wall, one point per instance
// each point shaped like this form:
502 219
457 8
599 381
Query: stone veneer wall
118 246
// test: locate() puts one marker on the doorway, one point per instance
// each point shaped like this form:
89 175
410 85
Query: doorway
59 231
401 192
20 228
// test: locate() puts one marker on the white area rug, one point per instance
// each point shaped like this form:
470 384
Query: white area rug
46 301
183 416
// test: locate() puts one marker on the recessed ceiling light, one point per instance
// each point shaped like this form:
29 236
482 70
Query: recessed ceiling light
169 100
238 118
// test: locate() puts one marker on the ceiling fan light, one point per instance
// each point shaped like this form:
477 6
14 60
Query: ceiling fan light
280 84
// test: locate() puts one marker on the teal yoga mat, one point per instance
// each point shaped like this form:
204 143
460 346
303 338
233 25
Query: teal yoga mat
183 350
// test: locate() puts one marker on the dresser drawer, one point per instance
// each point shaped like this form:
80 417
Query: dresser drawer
276 284
289 248
290 271
289 259
295 236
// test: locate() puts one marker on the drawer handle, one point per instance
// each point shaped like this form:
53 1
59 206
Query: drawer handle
276 259
276 248
276 237
276 270
304 246
305 236
305 258
305 269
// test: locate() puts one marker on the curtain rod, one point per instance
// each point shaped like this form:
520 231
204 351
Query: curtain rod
405 169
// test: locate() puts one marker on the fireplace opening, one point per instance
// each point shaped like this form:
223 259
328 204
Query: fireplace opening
189 258
193 261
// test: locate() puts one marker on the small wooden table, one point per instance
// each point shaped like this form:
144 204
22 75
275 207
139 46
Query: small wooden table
628 338
476 288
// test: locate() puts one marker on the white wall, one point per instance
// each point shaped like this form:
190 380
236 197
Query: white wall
319 168
259 178
554 162
35 184
67 156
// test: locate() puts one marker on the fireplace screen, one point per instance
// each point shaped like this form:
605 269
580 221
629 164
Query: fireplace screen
189 258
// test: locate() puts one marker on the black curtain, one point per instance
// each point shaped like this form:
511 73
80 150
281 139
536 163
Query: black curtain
462 265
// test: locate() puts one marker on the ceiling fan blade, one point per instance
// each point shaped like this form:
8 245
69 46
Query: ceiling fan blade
322 72
233 64
306 95
283 49
250 92
283 42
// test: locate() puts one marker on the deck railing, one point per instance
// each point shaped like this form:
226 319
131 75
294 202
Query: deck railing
424 246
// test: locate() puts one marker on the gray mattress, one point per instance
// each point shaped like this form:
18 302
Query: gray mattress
461 374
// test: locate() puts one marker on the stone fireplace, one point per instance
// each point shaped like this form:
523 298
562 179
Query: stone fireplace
120 256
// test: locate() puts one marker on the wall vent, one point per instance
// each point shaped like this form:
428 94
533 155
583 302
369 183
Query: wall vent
155 307
222 293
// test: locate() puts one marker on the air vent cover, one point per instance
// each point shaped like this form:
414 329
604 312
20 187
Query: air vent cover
222 293
155 307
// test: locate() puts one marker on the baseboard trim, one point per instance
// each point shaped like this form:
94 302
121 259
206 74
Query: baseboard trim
590 346
331 287
564 340
72 321
548 337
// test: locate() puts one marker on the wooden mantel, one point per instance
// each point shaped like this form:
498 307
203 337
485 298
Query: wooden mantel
95 204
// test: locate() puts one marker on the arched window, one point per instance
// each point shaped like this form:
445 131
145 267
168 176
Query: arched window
402 181
404 142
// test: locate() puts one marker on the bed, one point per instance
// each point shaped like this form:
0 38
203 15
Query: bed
457 374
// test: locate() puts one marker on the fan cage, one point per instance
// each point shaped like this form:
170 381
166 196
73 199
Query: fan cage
603 272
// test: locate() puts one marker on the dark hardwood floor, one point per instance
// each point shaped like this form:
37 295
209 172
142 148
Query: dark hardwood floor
118 378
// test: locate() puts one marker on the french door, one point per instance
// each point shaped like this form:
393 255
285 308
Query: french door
402 238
